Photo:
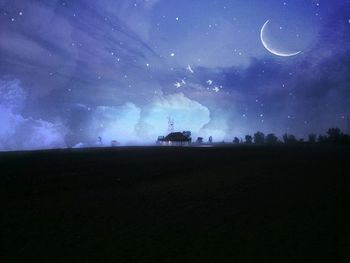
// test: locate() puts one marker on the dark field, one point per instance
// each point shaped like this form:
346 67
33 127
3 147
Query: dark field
229 204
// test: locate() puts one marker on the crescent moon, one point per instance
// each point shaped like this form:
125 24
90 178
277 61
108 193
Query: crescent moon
266 43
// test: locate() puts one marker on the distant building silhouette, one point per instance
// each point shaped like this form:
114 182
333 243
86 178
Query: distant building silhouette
175 139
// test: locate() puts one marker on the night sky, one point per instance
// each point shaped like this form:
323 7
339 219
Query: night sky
71 71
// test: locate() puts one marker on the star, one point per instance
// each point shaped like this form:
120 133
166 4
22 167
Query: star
177 84
189 68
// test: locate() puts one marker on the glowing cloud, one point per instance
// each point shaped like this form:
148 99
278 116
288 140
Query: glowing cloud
115 123
186 113
24 133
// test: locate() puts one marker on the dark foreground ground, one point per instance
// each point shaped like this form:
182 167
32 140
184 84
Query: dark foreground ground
239 204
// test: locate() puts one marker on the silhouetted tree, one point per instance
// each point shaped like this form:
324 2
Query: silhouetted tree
236 140
292 138
259 138
312 138
322 139
271 139
289 139
334 135
285 138
248 139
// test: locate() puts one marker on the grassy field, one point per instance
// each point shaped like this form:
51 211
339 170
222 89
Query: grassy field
228 204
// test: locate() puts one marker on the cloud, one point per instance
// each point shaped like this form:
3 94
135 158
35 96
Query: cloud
131 124
24 133
115 123
150 3
12 96
187 114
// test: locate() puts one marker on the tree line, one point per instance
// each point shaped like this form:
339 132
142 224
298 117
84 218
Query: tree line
332 136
